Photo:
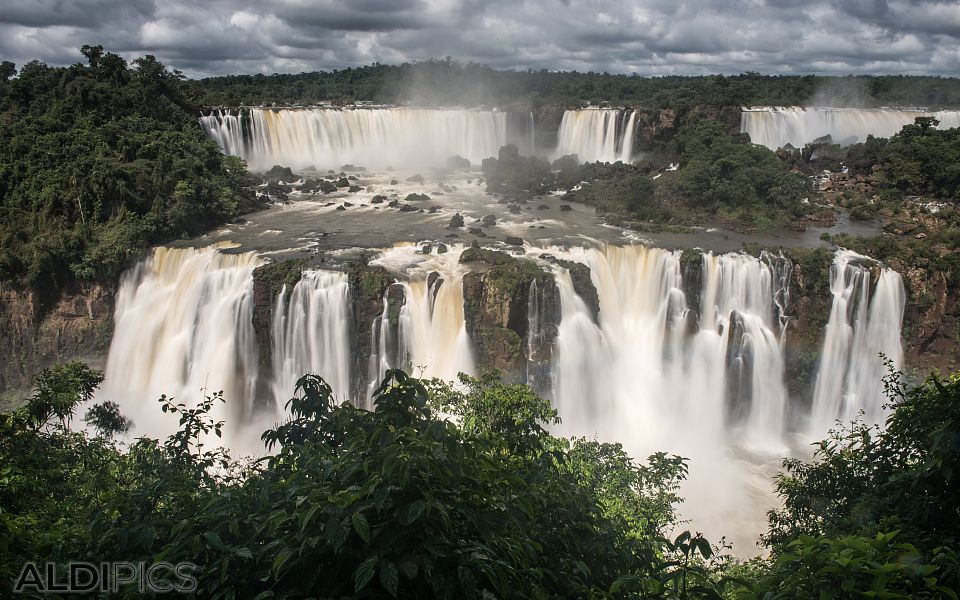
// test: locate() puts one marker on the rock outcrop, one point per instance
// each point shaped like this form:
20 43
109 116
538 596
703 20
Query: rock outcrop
35 335
496 303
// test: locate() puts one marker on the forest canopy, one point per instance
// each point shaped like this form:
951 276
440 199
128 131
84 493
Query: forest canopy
99 161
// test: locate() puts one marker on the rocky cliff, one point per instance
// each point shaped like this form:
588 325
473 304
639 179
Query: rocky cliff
77 326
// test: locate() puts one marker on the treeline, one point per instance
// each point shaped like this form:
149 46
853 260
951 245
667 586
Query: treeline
98 161
448 82
463 493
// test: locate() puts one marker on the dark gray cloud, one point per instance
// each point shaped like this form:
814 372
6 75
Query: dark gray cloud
653 37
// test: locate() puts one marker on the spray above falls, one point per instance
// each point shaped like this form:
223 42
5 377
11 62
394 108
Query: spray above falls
777 126
327 138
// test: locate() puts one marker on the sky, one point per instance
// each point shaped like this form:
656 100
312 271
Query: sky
649 37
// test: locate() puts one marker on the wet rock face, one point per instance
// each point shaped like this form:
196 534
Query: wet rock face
496 303
368 285
583 286
268 281
76 326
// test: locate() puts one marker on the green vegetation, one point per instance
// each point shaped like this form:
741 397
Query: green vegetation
722 178
728 176
99 161
402 502
452 83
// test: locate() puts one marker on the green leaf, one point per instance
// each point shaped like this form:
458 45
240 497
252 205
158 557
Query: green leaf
409 567
214 540
415 510
361 526
389 577
364 574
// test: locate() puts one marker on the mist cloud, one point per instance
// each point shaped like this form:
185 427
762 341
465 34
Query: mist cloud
650 37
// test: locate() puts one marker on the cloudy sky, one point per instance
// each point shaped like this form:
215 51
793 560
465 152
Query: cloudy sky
649 37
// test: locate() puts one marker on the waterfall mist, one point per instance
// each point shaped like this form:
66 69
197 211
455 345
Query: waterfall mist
328 138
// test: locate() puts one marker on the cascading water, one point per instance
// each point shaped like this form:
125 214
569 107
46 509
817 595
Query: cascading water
653 376
597 134
651 366
777 126
311 334
685 359
863 325
433 337
183 327
375 137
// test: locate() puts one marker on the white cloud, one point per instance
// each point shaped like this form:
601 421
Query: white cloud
644 36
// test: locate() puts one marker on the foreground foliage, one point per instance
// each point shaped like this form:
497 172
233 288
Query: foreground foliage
463 493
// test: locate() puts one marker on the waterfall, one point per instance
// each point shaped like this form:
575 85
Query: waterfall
862 326
183 327
777 126
648 364
374 137
433 338
597 134
311 334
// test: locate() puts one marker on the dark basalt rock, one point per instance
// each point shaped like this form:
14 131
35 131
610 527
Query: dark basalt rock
513 241
739 363
496 308
355 188
341 207
378 199
368 284
279 173
565 207
489 221
456 221
268 281
394 203
327 187
417 198
343 182
441 248
458 162
408 208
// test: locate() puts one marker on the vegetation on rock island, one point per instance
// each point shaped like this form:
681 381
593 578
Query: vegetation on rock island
464 493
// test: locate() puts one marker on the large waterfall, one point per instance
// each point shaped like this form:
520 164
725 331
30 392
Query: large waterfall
597 134
649 369
777 126
864 324
686 354
328 138
311 334
183 327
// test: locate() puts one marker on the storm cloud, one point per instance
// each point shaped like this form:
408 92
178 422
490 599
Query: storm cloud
650 37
